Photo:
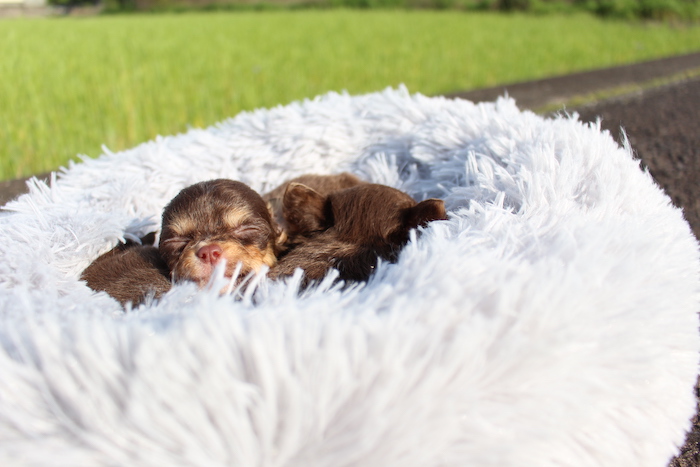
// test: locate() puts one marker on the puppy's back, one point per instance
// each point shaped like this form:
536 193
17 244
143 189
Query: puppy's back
130 273
324 185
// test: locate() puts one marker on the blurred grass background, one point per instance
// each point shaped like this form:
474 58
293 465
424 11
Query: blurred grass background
70 85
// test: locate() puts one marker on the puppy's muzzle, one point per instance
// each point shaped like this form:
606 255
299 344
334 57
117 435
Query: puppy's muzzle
210 254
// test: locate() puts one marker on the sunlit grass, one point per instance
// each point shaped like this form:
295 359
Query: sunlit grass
68 85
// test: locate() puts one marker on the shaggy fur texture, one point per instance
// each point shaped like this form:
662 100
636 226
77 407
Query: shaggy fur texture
132 272
216 223
348 229
551 321
322 184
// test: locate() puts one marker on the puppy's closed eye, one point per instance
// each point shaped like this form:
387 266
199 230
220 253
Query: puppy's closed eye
176 244
249 234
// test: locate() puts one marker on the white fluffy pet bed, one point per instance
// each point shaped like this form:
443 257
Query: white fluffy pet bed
551 321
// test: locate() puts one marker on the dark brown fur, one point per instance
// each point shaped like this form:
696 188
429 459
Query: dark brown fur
349 229
212 221
130 273
322 184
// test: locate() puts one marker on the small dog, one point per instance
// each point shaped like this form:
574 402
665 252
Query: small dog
130 272
322 184
349 229
213 221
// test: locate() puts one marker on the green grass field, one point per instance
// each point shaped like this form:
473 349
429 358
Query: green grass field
70 85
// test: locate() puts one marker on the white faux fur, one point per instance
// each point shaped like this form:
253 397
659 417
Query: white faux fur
551 321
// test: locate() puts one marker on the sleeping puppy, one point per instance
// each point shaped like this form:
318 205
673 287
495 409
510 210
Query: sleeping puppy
322 184
349 229
213 221
130 272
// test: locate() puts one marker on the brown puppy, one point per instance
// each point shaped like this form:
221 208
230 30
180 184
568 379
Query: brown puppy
213 221
349 229
322 184
130 273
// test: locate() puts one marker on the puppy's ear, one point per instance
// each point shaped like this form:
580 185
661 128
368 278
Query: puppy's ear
149 239
424 212
304 209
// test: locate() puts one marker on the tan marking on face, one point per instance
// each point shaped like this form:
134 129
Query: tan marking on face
269 258
235 217
189 267
182 225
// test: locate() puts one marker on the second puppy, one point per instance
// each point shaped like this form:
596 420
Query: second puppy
324 185
213 221
349 229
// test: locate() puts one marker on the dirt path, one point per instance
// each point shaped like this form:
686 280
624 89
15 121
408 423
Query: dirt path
596 85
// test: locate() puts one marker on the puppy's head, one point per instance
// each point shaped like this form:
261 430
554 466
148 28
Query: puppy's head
215 221
322 184
349 229
365 214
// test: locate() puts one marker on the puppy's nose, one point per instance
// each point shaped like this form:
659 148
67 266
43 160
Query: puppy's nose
210 253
